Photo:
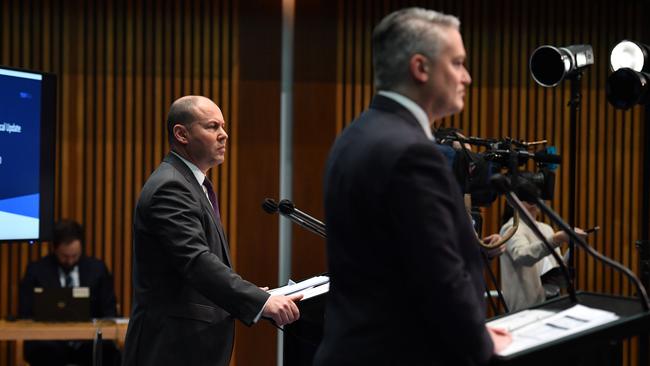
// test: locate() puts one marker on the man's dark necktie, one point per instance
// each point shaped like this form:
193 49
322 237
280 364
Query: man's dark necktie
213 197
68 279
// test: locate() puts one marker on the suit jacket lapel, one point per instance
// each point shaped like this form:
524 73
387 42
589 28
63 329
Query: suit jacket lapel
205 203
52 279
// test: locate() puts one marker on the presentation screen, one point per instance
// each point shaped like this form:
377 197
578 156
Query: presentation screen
27 134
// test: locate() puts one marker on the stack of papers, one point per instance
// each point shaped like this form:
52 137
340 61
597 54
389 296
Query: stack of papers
308 288
532 328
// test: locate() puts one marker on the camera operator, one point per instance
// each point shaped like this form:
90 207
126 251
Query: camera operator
527 268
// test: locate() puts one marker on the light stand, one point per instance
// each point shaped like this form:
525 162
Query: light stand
574 117
549 66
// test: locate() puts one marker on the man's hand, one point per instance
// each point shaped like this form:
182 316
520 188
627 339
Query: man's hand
282 309
561 237
500 337
494 252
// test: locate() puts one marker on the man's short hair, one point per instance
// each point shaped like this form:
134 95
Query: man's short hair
402 34
66 231
181 112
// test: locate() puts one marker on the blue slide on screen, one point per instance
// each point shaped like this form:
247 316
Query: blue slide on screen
20 113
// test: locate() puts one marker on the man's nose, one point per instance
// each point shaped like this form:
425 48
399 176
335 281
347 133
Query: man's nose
468 78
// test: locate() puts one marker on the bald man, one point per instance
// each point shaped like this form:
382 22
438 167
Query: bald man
186 295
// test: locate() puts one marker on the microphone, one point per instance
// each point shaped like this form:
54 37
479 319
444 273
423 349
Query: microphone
288 210
287 207
503 185
270 206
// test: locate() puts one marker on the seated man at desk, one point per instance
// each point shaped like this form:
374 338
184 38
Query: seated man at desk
66 266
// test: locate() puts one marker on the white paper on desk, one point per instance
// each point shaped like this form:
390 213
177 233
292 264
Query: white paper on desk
302 285
520 319
570 321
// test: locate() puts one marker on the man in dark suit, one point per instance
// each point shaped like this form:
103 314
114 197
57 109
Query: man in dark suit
66 266
406 276
186 295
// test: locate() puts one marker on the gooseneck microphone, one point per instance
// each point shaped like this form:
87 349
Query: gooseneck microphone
502 184
287 209
641 291
270 206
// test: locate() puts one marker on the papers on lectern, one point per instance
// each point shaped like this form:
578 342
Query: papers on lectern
308 288
532 328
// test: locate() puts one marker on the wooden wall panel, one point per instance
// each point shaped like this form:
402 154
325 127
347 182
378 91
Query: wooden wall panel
504 101
119 64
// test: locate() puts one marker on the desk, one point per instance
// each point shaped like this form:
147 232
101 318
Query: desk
28 330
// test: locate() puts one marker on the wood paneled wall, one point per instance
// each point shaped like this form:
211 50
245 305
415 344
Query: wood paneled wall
503 100
121 63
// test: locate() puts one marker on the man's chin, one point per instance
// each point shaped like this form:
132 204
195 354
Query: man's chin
219 160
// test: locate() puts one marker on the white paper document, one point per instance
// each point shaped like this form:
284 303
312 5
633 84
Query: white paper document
310 287
532 328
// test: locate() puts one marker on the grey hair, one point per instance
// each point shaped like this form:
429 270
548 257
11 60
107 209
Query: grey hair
400 35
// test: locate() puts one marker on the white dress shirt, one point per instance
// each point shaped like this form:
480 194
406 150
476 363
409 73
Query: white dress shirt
412 107
74 274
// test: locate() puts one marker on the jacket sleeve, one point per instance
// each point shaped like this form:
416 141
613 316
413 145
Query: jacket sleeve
175 213
424 205
523 251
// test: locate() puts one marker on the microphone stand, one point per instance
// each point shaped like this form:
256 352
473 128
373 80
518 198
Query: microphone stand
288 210
641 291
514 201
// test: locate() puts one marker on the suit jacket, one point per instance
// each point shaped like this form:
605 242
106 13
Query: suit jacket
186 295
406 275
521 266
92 274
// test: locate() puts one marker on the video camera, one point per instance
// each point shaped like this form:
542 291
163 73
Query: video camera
473 169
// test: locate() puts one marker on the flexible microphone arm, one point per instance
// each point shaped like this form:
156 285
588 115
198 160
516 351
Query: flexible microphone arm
287 208
641 291
502 184
270 206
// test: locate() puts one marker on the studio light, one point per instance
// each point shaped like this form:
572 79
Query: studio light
628 84
629 54
625 88
550 65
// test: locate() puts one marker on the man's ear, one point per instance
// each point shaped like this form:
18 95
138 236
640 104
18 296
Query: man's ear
419 68
180 134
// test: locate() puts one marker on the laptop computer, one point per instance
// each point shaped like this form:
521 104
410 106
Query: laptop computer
67 304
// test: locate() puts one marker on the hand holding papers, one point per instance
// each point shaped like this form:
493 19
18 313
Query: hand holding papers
308 288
